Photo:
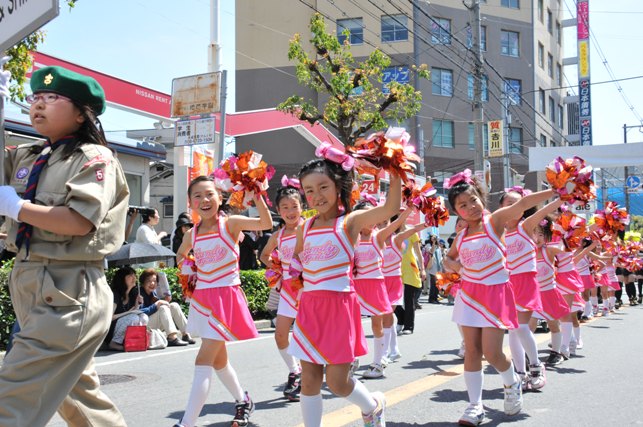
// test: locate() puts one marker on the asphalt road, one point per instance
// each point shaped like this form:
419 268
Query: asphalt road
601 386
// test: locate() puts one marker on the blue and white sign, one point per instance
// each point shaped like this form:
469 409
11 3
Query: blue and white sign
399 74
633 183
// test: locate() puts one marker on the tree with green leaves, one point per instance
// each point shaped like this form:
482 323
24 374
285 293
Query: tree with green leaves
356 102
21 60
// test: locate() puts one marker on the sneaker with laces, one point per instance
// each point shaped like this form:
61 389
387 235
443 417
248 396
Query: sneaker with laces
377 417
374 371
537 378
472 416
524 381
354 367
513 398
243 410
293 387
554 359
395 356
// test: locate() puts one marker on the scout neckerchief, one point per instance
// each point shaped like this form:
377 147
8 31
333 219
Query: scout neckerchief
24 231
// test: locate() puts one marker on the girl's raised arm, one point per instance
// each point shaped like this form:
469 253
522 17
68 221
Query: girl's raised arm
581 252
530 223
359 220
386 232
515 211
240 223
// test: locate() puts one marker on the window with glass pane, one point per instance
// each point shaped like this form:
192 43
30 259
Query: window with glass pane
514 4
485 136
441 31
543 140
560 116
550 22
483 37
441 82
513 89
443 133
559 75
541 55
541 101
559 34
515 140
541 9
552 110
550 65
509 43
471 86
394 28
354 26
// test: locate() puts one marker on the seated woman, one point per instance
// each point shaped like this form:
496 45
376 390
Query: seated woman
127 304
163 315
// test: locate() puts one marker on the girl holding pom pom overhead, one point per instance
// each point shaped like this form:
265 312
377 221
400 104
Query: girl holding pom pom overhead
218 308
485 305
328 332
289 206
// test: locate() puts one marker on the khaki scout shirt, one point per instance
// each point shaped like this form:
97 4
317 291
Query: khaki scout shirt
90 181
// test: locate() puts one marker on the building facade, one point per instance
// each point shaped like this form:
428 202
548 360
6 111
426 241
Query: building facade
522 47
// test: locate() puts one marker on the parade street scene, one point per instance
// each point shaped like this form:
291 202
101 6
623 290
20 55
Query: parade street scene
317 213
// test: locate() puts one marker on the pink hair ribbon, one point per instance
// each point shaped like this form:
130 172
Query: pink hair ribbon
335 155
518 189
290 182
464 176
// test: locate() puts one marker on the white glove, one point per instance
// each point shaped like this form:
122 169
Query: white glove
5 76
10 202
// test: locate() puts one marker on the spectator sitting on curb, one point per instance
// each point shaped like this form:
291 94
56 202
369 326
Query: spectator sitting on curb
127 304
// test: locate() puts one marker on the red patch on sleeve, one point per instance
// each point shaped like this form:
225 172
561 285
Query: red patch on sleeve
97 159
100 174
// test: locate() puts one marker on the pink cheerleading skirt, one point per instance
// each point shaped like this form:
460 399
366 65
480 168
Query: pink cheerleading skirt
288 300
526 291
394 289
554 305
588 282
328 328
220 314
578 304
372 297
485 306
569 282
612 284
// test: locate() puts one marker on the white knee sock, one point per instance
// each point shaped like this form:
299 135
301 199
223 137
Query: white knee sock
517 351
198 394
577 333
612 302
556 340
473 381
594 301
378 349
387 340
588 308
508 376
291 361
228 377
311 409
566 331
361 397
528 342
392 346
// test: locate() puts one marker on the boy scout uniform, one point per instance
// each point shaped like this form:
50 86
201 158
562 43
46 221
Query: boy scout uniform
59 292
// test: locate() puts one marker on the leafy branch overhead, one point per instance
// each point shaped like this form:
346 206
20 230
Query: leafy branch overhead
356 102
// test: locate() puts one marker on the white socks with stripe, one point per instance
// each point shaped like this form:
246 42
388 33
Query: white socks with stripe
291 361
361 397
228 377
198 394
473 381
311 409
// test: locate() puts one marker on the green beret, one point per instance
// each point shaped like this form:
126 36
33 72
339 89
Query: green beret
82 89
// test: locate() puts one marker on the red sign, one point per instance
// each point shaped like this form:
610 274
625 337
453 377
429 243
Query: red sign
369 187
117 91
582 17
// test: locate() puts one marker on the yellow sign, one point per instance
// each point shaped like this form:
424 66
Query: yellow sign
496 146
583 58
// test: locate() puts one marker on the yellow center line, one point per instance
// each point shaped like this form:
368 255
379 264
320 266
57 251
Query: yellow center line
350 413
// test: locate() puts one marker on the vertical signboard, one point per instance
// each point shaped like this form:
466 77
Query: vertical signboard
496 146
584 90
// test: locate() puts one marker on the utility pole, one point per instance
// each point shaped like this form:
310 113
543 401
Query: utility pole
478 113
419 132
626 173
506 119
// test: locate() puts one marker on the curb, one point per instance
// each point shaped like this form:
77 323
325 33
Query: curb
263 324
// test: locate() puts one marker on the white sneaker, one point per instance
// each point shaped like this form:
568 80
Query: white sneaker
579 344
461 353
564 351
606 312
472 416
398 329
537 378
377 417
394 356
513 398
374 371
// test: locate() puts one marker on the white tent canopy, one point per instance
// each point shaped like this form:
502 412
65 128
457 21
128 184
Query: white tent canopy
599 156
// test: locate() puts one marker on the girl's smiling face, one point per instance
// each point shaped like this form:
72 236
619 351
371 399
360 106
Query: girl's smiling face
205 199
289 209
320 191
468 206
150 284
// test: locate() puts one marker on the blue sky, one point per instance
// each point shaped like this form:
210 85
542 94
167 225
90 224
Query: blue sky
152 42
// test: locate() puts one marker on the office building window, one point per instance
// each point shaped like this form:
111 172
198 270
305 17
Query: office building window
485 137
559 75
471 86
543 140
355 29
513 89
441 31
541 101
552 110
541 15
443 133
550 65
559 33
541 55
483 37
509 43
394 28
560 116
550 22
515 140
442 82
514 4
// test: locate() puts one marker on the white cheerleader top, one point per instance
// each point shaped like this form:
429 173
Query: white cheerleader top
216 257
286 248
545 272
521 251
368 259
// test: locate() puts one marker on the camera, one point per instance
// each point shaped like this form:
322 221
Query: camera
141 210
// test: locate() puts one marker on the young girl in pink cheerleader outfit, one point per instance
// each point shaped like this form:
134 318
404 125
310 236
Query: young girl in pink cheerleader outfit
609 281
288 202
218 308
485 305
582 264
521 262
554 305
328 332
